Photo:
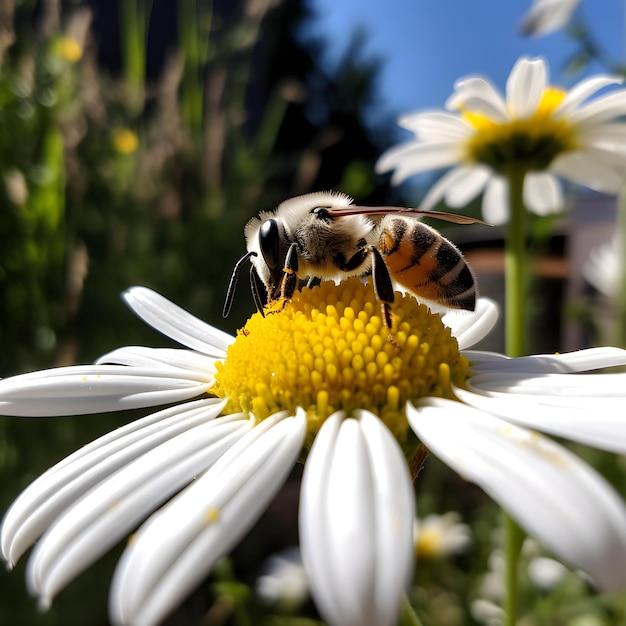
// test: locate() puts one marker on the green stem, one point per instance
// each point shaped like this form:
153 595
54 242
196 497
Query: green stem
513 539
515 268
408 617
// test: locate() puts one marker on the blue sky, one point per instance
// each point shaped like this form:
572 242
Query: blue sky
427 44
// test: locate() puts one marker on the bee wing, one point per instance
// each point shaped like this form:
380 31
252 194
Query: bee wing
342 211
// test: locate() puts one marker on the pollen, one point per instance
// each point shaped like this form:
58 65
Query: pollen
531 143
212 515
328 349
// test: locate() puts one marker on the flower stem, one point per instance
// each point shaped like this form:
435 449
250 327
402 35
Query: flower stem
513 539
408 617
515 269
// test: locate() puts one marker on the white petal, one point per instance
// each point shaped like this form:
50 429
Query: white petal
564 390
477 94
602 109
541 484
41 502
449 181
542 193
315 479
496 201
611 156
175 549
84 389
470 328
525 86
166 358
437 126
347 521
413 158
467 186
176 323
394 508
113 508
610 136
602 429
582 90
356 521
597 388
562 363
589 168
546 16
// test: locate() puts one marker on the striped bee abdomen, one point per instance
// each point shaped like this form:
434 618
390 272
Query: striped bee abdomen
422 260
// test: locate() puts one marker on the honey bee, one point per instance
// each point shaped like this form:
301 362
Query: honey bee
324 236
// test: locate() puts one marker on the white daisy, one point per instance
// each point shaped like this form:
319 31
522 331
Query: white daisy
441 535
283 580
546 16
537 130
323 374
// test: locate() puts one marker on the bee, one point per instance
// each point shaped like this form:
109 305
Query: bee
324 236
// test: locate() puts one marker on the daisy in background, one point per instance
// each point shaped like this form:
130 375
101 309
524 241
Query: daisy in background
319 376
536 131
283 581
438 536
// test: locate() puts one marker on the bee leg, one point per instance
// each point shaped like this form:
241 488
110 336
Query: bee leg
354 262
383 287
290 271
314 281
289 281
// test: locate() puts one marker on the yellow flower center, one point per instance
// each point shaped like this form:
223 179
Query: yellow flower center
328 349
531 143
429 543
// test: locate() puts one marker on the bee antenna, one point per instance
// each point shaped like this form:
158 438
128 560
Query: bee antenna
232 285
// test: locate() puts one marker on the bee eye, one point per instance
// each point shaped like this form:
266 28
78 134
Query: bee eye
269 240
322 213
